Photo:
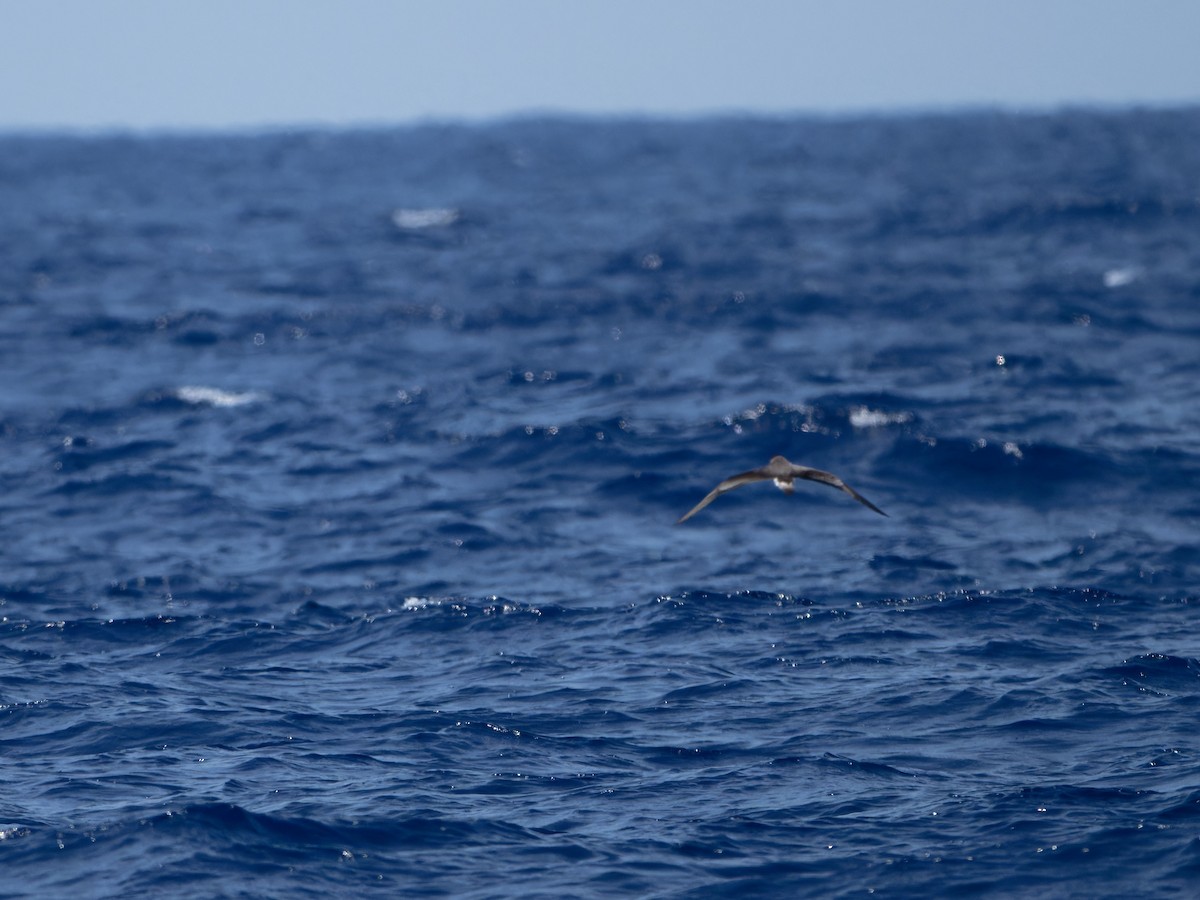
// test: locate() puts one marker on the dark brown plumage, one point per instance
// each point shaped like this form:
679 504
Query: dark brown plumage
784 474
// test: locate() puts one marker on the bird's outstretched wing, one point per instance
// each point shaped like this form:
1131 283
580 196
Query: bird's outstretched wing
833 481
727 485
782 472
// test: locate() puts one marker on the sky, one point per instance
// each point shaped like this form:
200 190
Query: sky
244 64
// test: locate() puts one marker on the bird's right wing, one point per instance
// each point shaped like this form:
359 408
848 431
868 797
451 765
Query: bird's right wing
833 481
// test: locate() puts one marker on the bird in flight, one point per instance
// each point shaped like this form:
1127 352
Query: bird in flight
784 474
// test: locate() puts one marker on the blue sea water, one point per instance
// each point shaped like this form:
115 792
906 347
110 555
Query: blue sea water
339 473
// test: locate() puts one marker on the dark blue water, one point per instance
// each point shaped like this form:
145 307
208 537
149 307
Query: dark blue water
339 473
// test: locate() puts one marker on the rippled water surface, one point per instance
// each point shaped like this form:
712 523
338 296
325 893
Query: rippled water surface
340 473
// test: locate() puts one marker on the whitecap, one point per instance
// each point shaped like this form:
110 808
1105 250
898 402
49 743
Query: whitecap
865 417
215 396
419 603
1115 278
418 219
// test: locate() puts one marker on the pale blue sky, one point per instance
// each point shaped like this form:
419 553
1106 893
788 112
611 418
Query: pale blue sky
247 63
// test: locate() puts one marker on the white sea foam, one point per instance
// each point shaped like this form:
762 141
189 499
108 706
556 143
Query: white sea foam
215 396
1115 278
865 417
418 219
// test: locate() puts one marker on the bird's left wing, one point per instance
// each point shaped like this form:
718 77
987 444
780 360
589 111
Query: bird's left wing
727 485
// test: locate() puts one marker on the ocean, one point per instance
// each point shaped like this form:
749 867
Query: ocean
340 474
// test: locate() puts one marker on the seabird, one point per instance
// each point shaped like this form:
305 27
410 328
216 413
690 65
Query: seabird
784 474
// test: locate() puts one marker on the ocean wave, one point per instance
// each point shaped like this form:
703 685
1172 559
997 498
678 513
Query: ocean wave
340 498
